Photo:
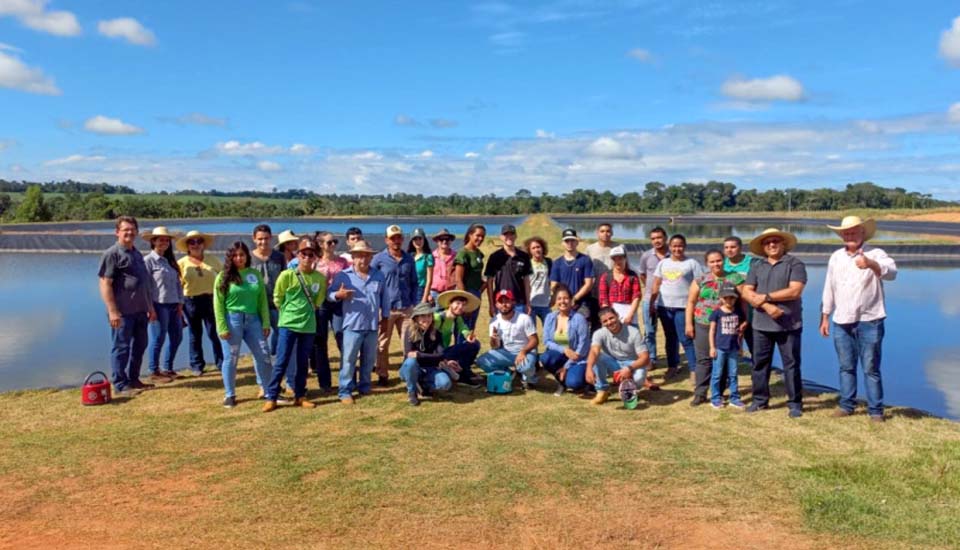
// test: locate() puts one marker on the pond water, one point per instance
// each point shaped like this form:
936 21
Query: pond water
718 231
370 226
53 330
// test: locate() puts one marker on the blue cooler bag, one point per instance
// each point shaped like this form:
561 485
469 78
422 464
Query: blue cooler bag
500 381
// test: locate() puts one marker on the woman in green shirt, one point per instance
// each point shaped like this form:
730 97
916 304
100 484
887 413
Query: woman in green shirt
242 314
468 267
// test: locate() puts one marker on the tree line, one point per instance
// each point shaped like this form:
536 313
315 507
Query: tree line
80 201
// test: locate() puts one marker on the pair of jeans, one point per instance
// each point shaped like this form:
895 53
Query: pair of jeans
501 359
470 319
274 334
607 365
724 369
129 341
320 357
674 321
199 313
167 325
291 345
788 342
860 342
576 377
429 378
361 343
245 327
540 312
704 371
649 329
464 353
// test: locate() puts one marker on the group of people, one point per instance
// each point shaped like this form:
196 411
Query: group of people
284 297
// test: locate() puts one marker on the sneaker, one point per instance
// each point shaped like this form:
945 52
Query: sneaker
737 404
229 402
283 400
878 418
269 406
841 413
754 407
716 404
561 389
795 413
601 397
127 392
136 384
697 400
347 400
303 403
413 399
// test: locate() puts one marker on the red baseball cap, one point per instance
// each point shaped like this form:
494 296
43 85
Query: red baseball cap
508 294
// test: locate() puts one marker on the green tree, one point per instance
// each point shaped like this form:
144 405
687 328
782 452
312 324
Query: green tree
32 208
5 203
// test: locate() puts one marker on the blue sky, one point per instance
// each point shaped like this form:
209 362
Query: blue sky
440 97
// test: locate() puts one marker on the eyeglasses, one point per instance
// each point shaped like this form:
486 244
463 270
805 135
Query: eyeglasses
193 242
334 242
307 253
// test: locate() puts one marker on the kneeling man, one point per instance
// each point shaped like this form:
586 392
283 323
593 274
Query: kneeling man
513 341
615 347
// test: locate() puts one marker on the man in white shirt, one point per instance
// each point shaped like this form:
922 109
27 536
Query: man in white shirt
513 341
853 293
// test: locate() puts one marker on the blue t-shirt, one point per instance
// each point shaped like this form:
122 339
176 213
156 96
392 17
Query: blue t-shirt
727 337
572 273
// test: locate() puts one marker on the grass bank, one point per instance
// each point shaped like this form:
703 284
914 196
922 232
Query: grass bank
171 468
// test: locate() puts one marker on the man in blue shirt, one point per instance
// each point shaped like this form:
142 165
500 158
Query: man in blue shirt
575 270
363 293
400 273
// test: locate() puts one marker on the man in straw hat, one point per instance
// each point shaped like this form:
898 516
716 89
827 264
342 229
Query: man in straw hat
363 292
400 273
853 293
125 290
774 287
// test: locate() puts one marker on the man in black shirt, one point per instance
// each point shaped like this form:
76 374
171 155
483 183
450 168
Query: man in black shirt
509 269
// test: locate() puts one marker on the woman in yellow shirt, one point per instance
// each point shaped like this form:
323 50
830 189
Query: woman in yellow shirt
199 272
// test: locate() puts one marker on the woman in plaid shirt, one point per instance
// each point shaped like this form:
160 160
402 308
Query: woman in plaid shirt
620 288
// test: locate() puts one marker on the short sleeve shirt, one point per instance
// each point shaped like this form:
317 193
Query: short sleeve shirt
506 272
198 279
626 345
131 281
422 263
540 283
514 332
727 337
572 273
648 266
269 270
472 262
675 280
767 278
709 299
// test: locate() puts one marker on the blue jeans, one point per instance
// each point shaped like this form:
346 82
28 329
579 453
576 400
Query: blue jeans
725 364
607 365
245 327
540 312
168 324
649 329
464 353
126 353
501 359
290 345
430 378
274 319
361 343
576 377
320 357
860 342
199 313
470 319
674 329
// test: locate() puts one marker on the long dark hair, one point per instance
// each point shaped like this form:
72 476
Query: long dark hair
413 249
167 254
473 229
230 272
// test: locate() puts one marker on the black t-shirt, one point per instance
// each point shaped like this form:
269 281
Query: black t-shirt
506 272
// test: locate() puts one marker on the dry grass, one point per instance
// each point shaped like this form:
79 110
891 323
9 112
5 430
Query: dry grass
171 468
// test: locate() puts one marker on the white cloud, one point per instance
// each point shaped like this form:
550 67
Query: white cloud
404 120
255 148
606 147
34 14
443 123
368 155
775 88
110 126
426 154
73 159
301 149
471 155
543 134
641 55
9 48
268 166
15 74
953 113
950 43
129 29
197 119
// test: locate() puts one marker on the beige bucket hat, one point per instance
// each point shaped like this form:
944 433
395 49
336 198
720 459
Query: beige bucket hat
194 234
285 237
849 222
789 240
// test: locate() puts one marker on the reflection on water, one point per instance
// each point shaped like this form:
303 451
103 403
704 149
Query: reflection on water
53 330
718 231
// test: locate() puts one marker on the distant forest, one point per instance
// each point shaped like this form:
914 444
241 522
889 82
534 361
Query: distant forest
72 201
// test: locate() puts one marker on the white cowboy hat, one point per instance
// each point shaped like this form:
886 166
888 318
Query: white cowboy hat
158 231
194 234
849 222
286 237
473 303
789 240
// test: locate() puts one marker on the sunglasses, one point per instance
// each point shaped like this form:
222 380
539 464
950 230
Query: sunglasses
307 253
193 242
334 242
768 242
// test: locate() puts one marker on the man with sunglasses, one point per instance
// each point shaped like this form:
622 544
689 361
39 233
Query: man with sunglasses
400 273
330 314
269 262
774 287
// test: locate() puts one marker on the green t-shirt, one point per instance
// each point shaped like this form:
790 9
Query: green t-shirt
448 327
297 312
472 262
250 296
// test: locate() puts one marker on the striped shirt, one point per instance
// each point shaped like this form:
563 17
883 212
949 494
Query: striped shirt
852 294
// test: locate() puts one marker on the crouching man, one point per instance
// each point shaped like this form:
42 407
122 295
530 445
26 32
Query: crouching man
615 347
513 341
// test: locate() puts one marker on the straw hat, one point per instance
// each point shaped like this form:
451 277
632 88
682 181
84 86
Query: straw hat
473 303
443 234
194 234
285 237
361 247
849 222
158 231
789 240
